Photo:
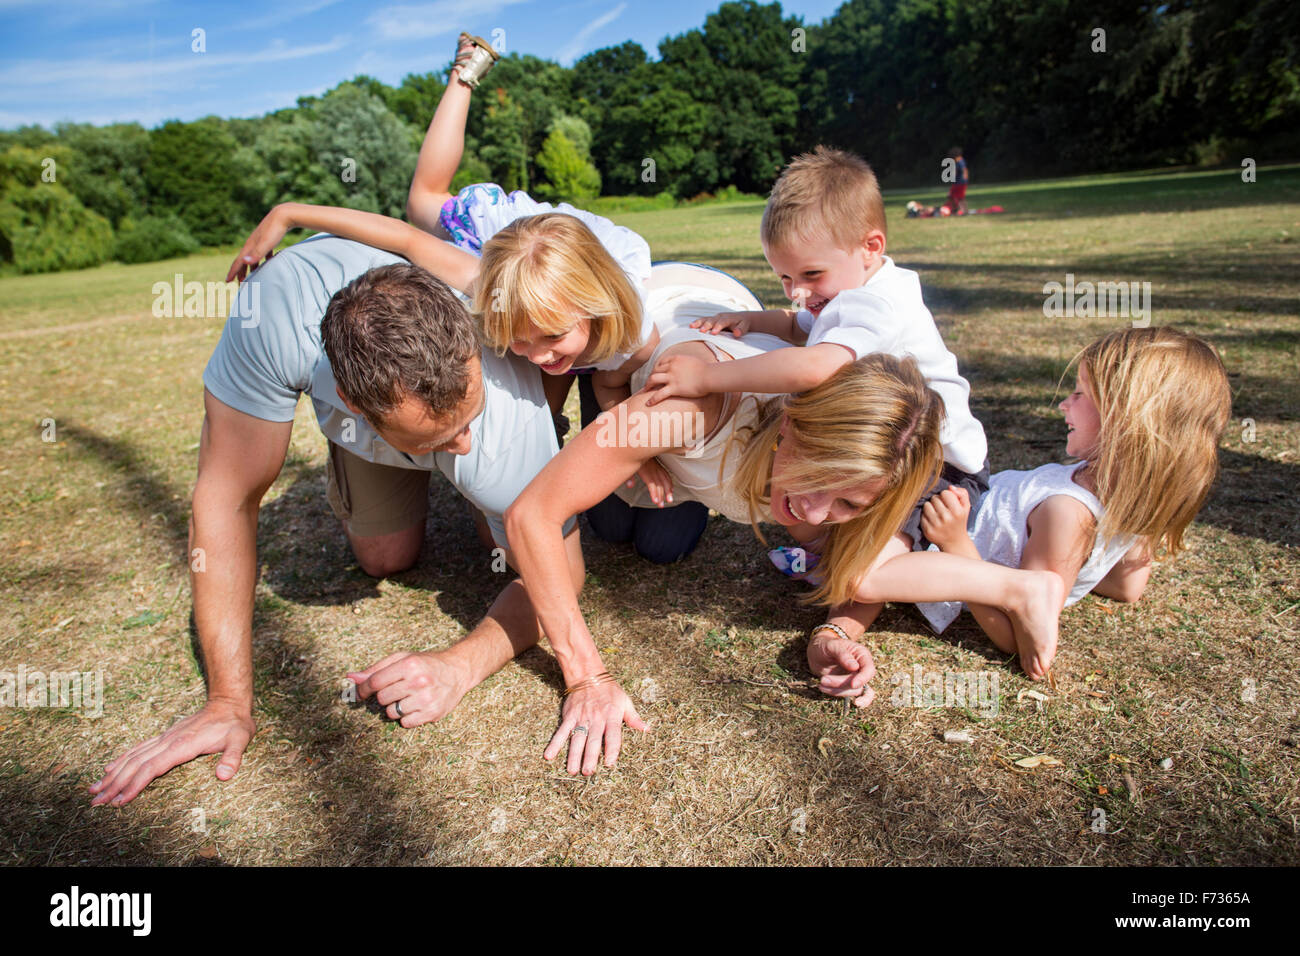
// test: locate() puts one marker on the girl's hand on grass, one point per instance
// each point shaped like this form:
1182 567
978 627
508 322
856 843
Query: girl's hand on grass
682 375
260 245
844 667
737 322
220 727
657 480
943 518
593 717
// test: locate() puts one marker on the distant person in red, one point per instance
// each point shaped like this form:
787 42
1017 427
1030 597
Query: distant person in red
957 194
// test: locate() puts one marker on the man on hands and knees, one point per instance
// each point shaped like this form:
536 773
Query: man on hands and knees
400 387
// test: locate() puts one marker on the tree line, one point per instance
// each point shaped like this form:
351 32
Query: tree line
1028 87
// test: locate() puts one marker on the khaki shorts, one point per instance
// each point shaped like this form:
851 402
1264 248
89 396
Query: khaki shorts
372 499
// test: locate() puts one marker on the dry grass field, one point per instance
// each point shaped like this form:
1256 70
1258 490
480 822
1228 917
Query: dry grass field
1176 718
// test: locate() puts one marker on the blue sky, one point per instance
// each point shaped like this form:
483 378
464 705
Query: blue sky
101 61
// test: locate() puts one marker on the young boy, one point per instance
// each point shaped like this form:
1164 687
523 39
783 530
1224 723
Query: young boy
957 193
823 233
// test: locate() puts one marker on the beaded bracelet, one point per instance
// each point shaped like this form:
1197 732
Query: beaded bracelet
828 626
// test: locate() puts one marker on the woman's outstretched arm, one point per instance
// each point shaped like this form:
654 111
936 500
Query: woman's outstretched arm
587 470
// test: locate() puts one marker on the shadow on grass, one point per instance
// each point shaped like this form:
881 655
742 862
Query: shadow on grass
361 818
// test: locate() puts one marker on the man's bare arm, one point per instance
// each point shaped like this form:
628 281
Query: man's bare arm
430 684
239 457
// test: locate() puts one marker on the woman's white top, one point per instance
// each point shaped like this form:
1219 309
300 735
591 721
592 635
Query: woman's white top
675 297
1001 530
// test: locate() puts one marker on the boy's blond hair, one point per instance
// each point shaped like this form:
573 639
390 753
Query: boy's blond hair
1164 401
550 271
874 420
825 194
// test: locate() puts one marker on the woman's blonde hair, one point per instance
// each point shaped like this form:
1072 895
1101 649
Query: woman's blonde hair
874 420
1164 402
550 271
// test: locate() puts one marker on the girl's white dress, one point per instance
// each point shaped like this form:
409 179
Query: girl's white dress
1001 524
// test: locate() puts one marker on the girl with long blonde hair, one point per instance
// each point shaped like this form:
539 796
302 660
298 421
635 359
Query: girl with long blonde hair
1144 421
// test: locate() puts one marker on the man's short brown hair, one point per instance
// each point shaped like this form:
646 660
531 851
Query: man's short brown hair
825 194
396 332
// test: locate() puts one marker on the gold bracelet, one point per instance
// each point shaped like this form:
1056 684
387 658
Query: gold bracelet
604 677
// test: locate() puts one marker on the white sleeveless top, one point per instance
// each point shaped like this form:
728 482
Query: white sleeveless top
696 475
1001 530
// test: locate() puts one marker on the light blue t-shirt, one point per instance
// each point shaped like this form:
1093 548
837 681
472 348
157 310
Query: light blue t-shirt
270 352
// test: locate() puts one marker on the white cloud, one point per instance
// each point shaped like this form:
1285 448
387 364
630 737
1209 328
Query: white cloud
420 21
575 46
100 79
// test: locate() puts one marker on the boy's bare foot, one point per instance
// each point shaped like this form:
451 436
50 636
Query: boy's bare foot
1036 621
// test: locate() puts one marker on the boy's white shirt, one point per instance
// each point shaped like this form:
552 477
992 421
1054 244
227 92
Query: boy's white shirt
887 314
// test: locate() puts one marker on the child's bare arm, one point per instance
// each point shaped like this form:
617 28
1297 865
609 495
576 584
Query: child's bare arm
456 267
1128 578
778 322
1061 532
781 371
612 386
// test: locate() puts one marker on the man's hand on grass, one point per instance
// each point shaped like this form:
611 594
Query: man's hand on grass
427 685
220 727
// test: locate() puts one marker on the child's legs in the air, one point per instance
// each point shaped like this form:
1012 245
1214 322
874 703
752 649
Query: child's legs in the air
440 155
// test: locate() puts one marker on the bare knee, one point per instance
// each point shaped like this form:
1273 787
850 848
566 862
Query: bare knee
384 555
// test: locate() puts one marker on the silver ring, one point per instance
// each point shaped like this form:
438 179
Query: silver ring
578 730
398 705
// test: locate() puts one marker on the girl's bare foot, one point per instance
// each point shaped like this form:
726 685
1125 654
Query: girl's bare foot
1036 621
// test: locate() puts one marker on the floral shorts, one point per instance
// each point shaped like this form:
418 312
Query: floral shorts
463 214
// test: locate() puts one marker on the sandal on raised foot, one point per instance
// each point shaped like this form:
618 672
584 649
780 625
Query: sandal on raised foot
472 64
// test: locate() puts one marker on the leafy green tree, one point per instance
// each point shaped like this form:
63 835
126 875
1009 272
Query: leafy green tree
358 143
417 97
743 66
193 171
107 173
43 227
503 141
291 170
569 176
511 114
152 238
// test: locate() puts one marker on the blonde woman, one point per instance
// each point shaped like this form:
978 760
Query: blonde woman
840 466
1144 419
